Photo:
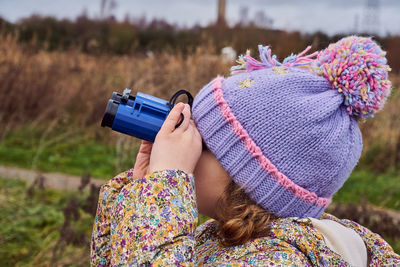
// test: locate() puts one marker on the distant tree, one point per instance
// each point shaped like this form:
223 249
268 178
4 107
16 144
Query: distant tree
243 16
106 8
261 20
132 35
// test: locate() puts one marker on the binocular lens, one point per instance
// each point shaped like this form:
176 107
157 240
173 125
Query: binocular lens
109 114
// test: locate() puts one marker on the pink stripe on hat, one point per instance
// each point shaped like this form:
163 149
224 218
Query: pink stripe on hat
256 152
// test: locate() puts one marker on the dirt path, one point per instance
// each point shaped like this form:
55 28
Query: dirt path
51 180
69 182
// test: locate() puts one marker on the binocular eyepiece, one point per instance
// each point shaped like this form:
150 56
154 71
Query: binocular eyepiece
140 116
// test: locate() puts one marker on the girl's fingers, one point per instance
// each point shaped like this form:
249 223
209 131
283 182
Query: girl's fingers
172 119
195 130
145 142
191 121
145 147
185 124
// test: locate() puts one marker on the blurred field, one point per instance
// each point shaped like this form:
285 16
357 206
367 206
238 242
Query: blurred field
54 101
51 107
43 227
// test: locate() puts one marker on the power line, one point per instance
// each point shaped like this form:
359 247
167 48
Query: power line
371 17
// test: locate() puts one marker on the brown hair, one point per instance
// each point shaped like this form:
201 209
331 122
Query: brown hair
239 218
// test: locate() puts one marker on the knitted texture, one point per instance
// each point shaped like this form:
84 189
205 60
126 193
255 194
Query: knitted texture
281 132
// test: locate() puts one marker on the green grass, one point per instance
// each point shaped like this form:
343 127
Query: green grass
394 243
379 189
76 155
31 223
29 226
81 154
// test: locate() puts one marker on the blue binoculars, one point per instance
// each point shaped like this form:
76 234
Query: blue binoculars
140 116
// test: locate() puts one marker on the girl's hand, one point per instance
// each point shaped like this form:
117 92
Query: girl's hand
142 160
178 148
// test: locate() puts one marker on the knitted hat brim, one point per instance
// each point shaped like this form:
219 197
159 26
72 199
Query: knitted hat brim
241 160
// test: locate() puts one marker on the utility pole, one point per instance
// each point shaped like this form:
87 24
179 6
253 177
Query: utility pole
221 21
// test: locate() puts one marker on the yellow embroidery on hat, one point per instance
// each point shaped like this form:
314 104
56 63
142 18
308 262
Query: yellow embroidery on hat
280 70
245 83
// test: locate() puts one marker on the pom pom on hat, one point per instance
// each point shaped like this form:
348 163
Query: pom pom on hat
356 66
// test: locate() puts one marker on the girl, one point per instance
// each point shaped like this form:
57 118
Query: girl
279 139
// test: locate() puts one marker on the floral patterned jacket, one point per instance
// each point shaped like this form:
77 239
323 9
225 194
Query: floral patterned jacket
153 221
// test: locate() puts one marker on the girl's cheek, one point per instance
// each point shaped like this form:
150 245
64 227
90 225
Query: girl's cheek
201 192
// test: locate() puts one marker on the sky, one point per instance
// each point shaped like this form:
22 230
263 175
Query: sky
329 16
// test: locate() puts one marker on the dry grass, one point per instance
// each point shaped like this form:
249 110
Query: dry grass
65 91
73 87
381 135
63 95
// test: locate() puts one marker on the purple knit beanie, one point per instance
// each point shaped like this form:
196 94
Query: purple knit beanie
280 130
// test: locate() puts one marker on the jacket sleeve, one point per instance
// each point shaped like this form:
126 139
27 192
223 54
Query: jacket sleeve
100 247
380 252
153 220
